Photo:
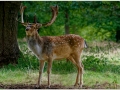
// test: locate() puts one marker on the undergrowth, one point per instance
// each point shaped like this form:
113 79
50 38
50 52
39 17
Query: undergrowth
99 57
95 58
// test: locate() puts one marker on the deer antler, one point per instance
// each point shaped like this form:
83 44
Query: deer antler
54 15
22 8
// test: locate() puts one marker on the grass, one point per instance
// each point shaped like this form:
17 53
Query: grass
101 62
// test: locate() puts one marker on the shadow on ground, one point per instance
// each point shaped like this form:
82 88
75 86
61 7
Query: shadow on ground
33 86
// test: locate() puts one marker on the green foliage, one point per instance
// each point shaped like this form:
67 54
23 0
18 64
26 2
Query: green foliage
96 60
95 63
99 18
102 57
101 62
27 60
21 31
63 67
90 33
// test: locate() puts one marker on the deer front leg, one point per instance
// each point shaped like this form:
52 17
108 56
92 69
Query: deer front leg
49 71
41 67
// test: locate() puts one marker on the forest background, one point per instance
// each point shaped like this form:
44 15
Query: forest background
98 22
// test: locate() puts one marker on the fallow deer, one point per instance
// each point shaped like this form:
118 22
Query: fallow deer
49 48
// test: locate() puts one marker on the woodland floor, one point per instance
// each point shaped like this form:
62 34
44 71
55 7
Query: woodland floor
33 86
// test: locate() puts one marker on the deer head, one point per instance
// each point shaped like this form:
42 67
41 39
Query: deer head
31 28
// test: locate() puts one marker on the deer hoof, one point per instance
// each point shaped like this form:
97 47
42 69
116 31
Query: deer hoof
80 86
75 86
48 87
37 86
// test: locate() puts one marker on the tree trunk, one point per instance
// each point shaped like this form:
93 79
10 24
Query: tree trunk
9 50
117 34
67 29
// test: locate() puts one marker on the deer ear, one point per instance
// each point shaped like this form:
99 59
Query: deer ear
38 25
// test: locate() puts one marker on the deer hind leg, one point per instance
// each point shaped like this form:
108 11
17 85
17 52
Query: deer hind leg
81 74
41 67
71 58
49 71
80 70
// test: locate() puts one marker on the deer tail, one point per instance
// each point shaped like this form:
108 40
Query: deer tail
85 44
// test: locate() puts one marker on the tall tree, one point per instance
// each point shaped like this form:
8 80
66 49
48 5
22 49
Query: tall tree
9 50
67 27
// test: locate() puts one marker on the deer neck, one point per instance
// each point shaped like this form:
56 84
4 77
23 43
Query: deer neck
35 43
35 38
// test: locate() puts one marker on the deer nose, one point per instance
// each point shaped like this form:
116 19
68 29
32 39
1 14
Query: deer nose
27 28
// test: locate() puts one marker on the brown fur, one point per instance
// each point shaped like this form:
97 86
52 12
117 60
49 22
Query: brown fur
66 46
60 44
